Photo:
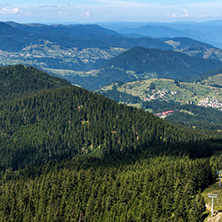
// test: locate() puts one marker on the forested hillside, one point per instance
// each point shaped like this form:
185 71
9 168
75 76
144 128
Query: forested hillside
125 188
19 80
62 123
163 63
67 154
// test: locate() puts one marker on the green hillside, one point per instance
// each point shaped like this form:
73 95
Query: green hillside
195 48
187 43
169 90
215 80
19 80
67 154
62 123
159 95
141 63
196 116
165 63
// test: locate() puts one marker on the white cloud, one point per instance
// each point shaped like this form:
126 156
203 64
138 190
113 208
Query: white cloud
185 13
86 14
9 11
62 13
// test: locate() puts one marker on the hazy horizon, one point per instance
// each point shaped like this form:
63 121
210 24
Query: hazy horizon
88 11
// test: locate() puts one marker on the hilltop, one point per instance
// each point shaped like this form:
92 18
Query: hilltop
142 63
19 80
163 63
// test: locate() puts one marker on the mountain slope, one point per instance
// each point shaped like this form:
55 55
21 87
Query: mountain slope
62 123
67 154
68 121
195 48
18 80
11 38
182 42
164 63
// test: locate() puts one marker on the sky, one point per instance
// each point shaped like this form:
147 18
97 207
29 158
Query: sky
91 11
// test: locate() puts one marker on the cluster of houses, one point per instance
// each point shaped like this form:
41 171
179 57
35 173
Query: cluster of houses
211 102
164 114
160 94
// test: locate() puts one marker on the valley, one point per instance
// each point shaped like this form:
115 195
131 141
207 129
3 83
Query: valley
48 55
81 54
199 93
189 101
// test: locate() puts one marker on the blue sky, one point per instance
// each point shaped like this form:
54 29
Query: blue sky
87 11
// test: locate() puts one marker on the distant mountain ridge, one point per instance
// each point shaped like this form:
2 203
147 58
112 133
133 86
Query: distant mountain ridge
209 32
154 32
82 36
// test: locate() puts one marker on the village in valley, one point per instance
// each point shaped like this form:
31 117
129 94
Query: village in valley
162 94
211 102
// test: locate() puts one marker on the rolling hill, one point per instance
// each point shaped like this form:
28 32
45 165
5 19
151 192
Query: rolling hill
142 63
71 115
164 63
78 53
63 122
194 48
185 92
154 31
186 43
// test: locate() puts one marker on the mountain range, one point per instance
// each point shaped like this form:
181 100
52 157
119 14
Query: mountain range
83 54
208 32
81 36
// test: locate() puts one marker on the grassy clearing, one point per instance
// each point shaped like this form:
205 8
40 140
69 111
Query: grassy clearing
215 189
181 92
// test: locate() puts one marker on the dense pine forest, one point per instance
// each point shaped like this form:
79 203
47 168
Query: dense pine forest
67 154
